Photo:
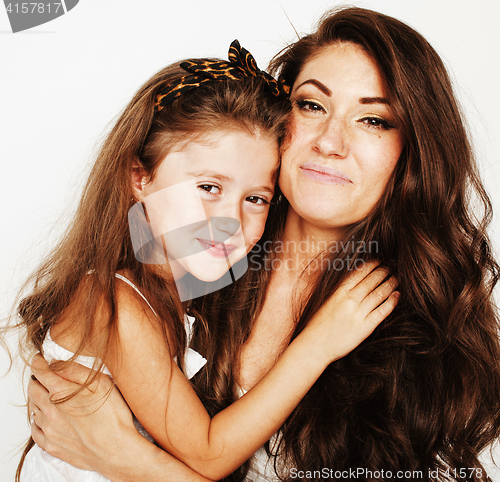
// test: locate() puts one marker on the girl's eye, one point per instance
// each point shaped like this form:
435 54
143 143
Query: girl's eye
309 106
377 123
210 188
257 200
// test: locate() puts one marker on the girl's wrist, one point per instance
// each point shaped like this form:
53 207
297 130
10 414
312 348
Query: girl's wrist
315 350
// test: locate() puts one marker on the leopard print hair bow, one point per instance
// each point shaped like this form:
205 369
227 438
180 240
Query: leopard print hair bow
241 65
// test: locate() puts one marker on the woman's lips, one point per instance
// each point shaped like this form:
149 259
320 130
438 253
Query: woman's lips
324 174
217 250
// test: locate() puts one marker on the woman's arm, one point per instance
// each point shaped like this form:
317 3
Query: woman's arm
167 406
72 437
94 429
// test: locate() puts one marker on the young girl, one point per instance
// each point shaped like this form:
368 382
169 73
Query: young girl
197 148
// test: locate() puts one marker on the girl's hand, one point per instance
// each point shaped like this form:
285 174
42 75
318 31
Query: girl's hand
361 302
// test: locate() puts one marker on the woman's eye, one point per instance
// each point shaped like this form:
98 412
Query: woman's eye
309 106
209 188
377 123
257 200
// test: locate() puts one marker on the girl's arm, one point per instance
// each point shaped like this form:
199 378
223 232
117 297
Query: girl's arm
169 409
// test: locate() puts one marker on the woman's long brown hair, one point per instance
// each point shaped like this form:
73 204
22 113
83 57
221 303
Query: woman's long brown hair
98 243
422 394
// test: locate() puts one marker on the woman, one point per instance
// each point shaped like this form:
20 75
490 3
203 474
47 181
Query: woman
377 164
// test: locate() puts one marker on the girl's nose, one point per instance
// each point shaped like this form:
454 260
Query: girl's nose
224 227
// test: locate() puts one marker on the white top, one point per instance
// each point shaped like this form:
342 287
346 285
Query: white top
39 466
261 467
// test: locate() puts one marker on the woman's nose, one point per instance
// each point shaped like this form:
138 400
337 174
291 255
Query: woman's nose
331 140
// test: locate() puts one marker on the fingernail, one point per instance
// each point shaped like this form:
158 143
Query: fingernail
397 294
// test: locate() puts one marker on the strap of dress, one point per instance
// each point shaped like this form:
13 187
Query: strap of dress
132 285
193 361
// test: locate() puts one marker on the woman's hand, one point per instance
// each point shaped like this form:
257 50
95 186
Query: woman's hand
362 301
94 429
82 430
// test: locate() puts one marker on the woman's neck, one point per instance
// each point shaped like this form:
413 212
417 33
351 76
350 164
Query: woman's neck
302 242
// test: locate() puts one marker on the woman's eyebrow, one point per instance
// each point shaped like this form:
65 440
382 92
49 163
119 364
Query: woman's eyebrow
328 92
373 100
319 85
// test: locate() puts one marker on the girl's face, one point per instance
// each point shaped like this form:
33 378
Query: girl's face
208 201
344 143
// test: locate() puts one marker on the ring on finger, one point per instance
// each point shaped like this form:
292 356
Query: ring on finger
32 415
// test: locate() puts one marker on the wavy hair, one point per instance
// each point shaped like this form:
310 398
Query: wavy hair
98 239
422 393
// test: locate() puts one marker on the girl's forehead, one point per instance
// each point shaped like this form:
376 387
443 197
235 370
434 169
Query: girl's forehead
235 154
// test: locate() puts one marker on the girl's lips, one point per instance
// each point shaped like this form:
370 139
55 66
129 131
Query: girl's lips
217 250
324 174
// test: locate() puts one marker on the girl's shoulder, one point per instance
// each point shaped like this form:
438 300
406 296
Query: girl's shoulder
127 288
135 313
131 309
132 304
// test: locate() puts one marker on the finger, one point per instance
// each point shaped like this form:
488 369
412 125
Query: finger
80 375
359 274
33 410
39 395
378 295
38 435
75 373
380 313
42 407
38 362
49 379
369 283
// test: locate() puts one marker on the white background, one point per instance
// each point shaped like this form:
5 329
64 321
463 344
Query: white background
62 84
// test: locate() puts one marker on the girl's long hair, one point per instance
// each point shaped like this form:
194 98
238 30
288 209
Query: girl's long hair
98 244
422 394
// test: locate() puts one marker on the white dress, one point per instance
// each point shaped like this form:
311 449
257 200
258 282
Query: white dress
262 465
39 466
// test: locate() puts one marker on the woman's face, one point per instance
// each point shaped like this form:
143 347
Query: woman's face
344 143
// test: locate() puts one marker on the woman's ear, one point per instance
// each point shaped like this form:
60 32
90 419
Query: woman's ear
138 180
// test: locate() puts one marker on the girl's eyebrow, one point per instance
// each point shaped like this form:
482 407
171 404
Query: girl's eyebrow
265 188
216 174
221 177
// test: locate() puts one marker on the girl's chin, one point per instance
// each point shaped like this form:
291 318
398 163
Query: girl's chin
208 268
